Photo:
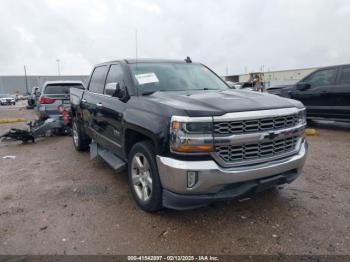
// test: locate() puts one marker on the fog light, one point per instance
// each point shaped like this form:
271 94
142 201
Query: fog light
192 177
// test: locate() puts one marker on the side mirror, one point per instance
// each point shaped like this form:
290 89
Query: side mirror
111 88
303 86
114 89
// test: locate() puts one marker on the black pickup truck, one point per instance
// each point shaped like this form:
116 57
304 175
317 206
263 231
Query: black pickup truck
186 138
325 93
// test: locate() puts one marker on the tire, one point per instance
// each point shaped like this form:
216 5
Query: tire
81 141
144 179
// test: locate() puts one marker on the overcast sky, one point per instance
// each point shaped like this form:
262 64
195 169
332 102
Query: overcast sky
238 35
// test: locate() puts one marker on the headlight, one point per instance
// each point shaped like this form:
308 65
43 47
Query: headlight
191 135
302 117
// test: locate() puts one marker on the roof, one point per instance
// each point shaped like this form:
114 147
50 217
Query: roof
63 82
145 60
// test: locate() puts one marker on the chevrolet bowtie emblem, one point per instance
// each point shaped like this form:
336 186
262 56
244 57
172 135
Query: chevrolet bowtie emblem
271 136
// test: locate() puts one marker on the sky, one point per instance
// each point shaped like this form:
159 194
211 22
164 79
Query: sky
234 36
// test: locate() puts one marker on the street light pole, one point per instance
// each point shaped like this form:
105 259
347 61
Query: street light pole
58 67
26 79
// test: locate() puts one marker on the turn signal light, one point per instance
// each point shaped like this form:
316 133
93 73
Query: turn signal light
194 148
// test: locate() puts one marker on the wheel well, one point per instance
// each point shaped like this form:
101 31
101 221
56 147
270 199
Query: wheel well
131 138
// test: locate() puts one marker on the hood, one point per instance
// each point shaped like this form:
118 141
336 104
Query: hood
204 103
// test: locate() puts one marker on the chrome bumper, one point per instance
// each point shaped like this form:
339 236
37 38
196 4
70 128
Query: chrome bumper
212 177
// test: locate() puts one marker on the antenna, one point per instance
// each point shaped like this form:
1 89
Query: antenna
136 47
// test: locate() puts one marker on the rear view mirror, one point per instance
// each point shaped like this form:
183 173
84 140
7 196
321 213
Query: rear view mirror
303 86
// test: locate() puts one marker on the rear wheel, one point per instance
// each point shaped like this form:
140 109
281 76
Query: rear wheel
80 140
144 179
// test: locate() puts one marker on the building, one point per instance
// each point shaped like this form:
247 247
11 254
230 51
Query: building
17 84
275 78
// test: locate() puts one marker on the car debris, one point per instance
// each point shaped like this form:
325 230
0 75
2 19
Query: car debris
50 126
9 157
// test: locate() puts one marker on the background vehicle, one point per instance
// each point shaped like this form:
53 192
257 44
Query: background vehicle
325 93
234 85
54 94
185 136
6 99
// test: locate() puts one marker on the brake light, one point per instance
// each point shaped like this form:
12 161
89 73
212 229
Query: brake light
46 100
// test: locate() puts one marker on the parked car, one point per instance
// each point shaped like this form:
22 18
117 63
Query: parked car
234 85
186 138
325 93
6 99
54 94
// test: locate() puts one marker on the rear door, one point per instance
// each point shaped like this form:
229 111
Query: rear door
92 101
317 97
341 94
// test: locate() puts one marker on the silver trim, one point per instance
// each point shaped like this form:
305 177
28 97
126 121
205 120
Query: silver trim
212 177
236 116
259 136
187 119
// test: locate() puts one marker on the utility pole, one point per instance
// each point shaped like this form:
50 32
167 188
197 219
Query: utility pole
26 79
58 67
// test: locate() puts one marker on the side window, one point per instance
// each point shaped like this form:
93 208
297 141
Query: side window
98 79
115 75
345 75
322 77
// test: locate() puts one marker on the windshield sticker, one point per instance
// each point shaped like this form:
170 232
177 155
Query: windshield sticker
146 78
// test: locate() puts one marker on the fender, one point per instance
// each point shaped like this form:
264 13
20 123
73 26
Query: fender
153 126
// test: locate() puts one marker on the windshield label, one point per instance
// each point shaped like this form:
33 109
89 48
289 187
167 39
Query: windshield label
146 78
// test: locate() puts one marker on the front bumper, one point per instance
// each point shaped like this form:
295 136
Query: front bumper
217 183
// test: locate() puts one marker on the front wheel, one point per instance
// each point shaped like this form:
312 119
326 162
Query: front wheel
144 179
80 140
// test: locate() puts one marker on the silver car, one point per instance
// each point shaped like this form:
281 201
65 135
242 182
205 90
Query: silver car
54 94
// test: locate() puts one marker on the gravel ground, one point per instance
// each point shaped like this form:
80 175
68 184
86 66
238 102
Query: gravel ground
54 200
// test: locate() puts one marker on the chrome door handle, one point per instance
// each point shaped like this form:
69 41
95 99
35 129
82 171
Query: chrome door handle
83 100
99 104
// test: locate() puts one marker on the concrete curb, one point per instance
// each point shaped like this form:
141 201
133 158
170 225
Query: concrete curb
12 120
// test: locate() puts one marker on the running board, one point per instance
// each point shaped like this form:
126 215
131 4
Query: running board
115 162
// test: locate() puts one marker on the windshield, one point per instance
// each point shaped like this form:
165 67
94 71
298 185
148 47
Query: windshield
5 96
60 89
152 77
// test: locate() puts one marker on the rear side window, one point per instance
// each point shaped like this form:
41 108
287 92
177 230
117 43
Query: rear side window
345 75
98 79
322 77
60 89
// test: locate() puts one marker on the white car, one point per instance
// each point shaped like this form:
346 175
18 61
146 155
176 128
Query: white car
7 100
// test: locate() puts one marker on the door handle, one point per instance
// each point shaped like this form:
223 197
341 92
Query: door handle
99 104
83 100
324 92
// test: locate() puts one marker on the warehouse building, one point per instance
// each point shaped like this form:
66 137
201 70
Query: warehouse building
275 78
20 84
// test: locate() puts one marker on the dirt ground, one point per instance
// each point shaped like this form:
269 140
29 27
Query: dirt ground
54 200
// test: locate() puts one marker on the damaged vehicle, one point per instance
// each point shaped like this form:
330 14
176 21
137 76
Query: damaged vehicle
54 94
184 136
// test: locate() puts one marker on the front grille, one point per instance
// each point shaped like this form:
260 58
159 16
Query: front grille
245 152
255 125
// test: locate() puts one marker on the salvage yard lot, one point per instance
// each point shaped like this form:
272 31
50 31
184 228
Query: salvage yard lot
54 200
